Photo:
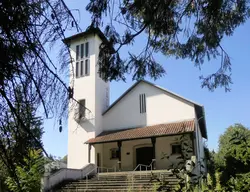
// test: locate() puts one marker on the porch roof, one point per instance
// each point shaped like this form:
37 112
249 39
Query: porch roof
144 132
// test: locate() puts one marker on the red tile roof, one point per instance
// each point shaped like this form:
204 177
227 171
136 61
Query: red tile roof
145 132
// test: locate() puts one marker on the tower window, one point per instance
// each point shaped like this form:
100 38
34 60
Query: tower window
86 67
77 52
77 69
82 69
87 49
82 60
142 101
82 50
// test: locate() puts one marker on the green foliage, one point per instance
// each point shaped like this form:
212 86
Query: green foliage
28 78
233 157
217 181
21 145
64 159
29 174
230 144
239 183
183 29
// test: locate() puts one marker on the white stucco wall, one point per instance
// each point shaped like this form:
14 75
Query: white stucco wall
161 107
93 90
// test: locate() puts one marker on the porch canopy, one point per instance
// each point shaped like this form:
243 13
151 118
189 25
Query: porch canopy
144 132
147 132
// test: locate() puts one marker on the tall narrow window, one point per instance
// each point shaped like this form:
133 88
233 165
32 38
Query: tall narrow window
107 97
82 60
142 101
86 67
87 49
82 104
77 69
82 50
77 52
82 68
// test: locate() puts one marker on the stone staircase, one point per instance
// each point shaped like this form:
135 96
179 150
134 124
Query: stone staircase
124 181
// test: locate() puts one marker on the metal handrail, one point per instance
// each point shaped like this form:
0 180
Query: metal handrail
107 168
87 175
142 165
98 168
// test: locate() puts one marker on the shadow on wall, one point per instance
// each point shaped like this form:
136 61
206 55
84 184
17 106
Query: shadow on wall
84 118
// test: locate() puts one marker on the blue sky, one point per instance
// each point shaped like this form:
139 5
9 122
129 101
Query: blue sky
222 109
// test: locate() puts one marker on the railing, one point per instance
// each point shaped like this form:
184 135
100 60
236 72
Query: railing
146 166
67 174
98 171
89 173
113 169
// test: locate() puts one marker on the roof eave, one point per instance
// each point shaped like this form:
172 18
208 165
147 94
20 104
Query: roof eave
89 31
112 141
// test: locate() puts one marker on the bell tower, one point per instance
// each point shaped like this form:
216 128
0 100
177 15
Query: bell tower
91 93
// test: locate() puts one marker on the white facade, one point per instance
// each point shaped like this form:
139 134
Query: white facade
161 107
96 94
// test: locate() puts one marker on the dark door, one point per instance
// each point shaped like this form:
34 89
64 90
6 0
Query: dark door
98 160
144 155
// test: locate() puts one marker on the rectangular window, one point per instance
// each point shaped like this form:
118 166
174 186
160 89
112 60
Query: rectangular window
82 69
114 153
176 149
82 50
77 52
77 69
82 109
87 49
86 67
83 63
142 101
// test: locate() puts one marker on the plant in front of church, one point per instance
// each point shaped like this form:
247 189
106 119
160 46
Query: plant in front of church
29 174
184 167
228 169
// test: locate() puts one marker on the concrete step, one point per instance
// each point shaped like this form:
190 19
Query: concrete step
136 173
109 190
138 189
122 181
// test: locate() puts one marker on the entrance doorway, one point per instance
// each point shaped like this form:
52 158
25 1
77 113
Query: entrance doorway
144 155
98 160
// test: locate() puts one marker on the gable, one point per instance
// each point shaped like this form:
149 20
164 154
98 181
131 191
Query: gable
161 107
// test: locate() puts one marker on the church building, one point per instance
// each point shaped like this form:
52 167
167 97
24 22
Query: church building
144 126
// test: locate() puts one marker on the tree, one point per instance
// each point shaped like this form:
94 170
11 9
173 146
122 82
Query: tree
65 159
29 175
184 29
233 157
28 29
227 147
17 143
